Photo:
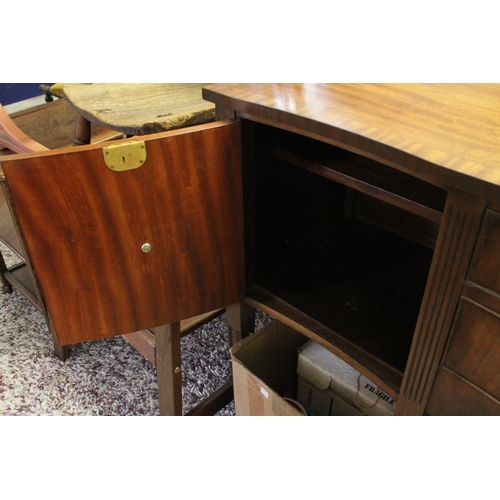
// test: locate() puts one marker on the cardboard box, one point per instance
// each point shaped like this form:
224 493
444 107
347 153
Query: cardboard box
324 402
329 386
265 370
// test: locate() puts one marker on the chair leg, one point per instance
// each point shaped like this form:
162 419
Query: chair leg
7 287
168 368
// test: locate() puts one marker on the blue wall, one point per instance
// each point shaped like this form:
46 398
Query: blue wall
14 92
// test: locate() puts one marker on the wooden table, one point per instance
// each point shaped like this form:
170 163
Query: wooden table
137 109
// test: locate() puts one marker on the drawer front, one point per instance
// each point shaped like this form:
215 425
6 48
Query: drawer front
485 268
452 395
86 228
474 347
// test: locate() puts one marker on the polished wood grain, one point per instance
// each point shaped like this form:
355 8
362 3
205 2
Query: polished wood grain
483 296
486 256
461 220
140 108
474 346
444 133
185 201
454 395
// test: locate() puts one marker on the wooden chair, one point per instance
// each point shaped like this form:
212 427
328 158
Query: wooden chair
14 140
110 250
49 127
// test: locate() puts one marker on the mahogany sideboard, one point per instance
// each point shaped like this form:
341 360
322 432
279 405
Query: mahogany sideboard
367 217
372 226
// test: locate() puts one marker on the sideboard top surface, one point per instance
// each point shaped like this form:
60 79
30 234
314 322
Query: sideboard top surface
446 133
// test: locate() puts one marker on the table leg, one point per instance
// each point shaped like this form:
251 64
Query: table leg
7 287
240 319
168 368
82 131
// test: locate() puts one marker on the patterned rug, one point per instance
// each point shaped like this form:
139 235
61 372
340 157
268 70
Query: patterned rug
105 377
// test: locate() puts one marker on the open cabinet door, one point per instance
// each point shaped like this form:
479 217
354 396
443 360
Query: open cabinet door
116 250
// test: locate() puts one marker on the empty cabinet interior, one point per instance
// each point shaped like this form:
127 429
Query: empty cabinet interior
343 247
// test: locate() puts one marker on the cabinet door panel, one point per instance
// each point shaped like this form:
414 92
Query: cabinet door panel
85 225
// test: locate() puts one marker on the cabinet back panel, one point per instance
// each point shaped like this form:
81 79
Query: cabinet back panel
292 205
398 221
363 282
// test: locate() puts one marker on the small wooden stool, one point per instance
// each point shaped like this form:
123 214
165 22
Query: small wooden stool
137 108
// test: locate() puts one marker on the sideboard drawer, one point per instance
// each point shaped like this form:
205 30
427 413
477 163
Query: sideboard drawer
485 268
474 346
452 395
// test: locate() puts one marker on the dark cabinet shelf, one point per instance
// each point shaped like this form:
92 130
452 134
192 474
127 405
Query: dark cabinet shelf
343 249
374 179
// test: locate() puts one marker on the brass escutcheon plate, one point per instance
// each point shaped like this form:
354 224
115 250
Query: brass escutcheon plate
125 155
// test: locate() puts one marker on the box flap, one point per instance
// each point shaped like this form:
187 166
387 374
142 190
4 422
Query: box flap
271 354
264 367
252 396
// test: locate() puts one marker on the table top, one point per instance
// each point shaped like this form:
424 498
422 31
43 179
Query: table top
448 134
140 108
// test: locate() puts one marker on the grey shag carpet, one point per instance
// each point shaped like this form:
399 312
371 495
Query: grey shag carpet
105 377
